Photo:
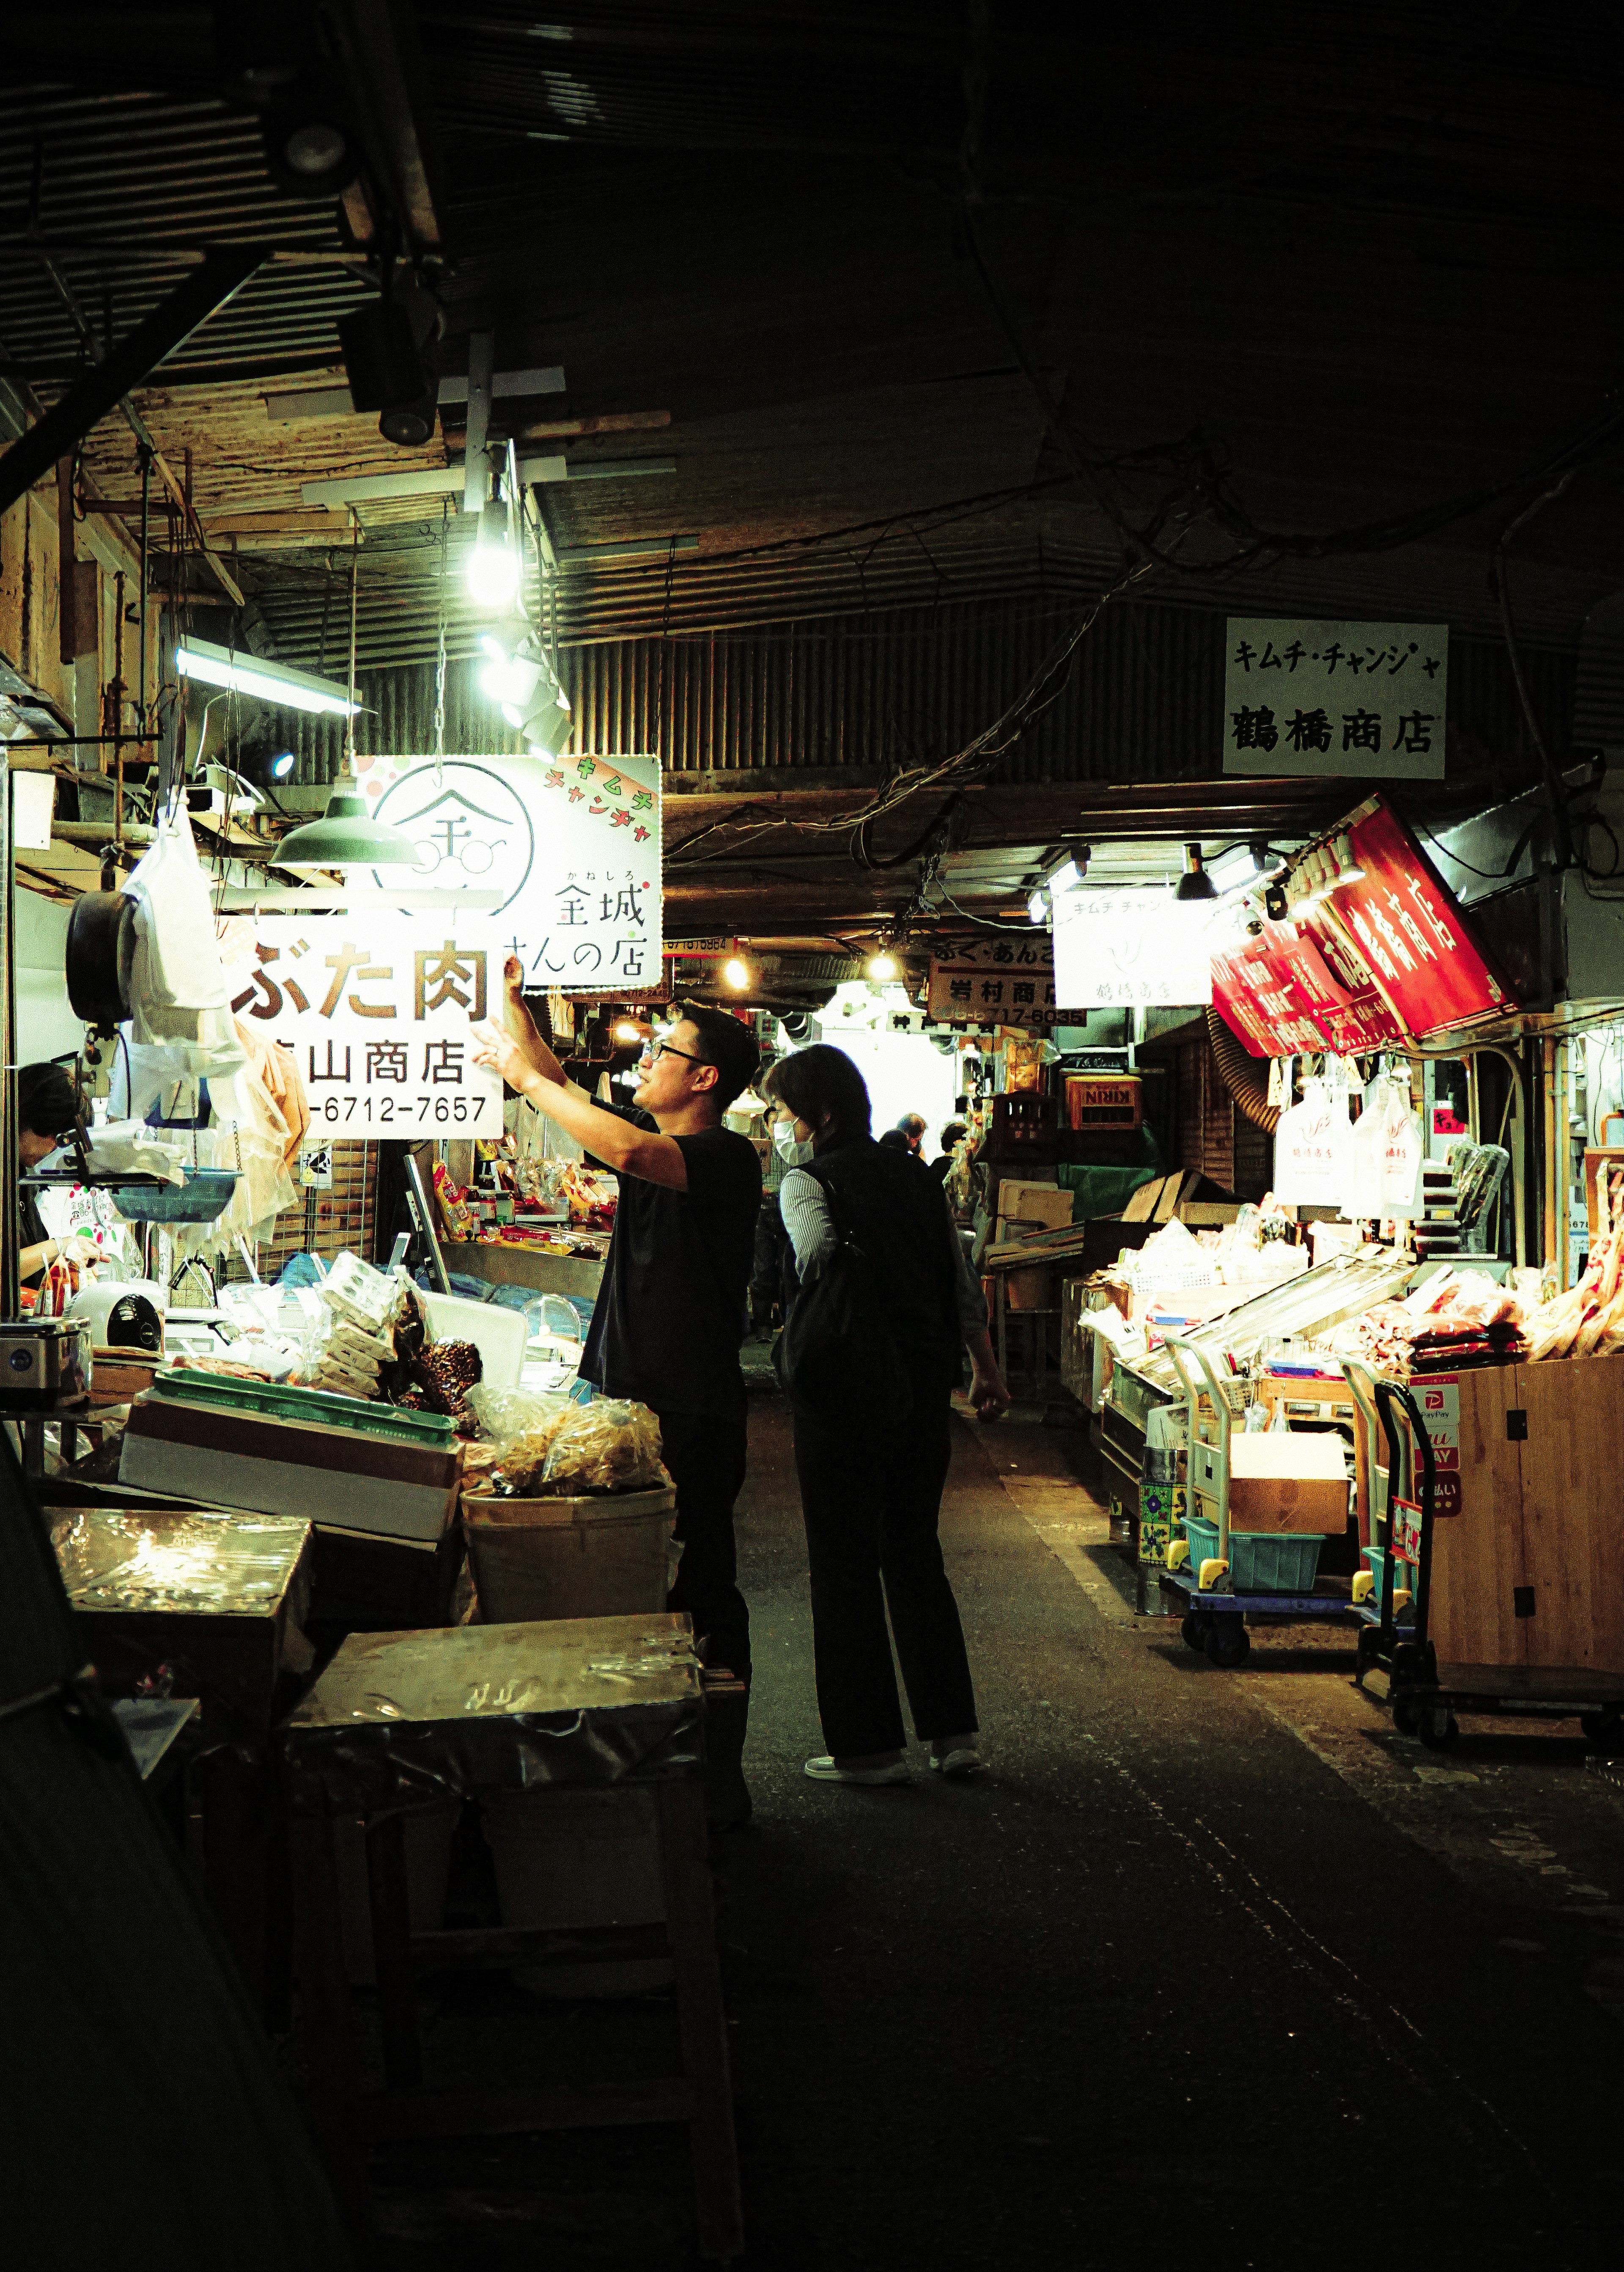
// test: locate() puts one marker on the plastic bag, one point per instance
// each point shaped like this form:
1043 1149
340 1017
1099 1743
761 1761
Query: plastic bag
549 1446
1310 1151
177 983
605 1445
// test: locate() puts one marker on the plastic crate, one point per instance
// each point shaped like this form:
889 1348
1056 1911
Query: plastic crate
1403 1575
1260 1561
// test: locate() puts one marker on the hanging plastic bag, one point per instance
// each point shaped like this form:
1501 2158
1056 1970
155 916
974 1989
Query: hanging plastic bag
177 983
1386 1151
1311 1151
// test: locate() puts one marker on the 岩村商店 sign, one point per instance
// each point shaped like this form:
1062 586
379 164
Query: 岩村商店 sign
1004 982
1335 697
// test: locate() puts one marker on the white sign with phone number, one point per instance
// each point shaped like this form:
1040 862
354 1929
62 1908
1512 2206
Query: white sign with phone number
378 1008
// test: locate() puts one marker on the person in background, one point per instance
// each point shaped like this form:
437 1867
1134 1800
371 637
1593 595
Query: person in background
767 1267
894 1140
951 1135
670 1315
872 1501
47 1108
912 1126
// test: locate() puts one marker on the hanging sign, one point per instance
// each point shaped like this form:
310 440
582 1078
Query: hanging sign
1335 697
1386 959
998 981
1131 949
376 1007
572 844
1411 932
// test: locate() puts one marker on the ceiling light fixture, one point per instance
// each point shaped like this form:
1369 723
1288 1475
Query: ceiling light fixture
277 683
1194 884
737 972
1348 869
1037 907
261 763
347 835
495 570
1071 873
882 967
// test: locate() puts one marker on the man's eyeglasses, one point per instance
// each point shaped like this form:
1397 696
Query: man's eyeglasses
652 1050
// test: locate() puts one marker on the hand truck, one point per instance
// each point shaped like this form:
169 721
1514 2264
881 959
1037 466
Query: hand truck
1214 1612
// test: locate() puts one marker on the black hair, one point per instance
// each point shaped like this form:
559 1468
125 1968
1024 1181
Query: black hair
46 1102
818 1082
728 1046
952 1134
896 1139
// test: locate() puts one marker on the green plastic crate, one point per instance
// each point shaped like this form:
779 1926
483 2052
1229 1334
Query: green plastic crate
1260 1561
266 1401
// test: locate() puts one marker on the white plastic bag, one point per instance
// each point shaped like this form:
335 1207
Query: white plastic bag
1386 1150
1311 1151
177 984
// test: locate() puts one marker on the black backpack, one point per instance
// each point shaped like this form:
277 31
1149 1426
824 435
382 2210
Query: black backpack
836 1357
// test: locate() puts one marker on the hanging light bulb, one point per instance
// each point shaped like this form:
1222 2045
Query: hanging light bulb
493 565
882 968
737 972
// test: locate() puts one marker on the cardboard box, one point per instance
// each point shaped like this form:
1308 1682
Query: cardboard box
1045 1207
320 1474
1283 1483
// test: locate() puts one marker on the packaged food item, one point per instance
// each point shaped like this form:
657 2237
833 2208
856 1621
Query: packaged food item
605 1445
456 1215
355 1290
548 1447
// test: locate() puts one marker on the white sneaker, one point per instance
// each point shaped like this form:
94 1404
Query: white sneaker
824 1769
959 1759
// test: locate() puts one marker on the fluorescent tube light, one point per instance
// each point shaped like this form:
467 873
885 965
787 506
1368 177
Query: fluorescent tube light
264 681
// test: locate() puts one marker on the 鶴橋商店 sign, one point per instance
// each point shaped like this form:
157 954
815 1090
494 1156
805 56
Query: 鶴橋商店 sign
1386 957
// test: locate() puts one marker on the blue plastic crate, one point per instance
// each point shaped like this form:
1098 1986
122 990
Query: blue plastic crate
1260 1561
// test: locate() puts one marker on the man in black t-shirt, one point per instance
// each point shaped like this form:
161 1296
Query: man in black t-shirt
671 1312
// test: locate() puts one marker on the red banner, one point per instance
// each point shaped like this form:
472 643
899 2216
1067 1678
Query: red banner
1311 982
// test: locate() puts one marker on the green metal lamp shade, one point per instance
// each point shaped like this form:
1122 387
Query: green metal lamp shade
347 835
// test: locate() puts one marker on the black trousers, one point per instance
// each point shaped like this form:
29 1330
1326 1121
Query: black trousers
871 1514
706 1454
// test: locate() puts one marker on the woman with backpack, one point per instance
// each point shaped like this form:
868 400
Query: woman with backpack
869 1356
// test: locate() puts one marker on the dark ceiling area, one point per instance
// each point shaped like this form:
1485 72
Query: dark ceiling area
974 313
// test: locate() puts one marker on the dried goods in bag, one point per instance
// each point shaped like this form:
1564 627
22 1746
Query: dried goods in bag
548 1447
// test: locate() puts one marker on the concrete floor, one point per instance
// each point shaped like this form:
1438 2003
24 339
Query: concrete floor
1208 1963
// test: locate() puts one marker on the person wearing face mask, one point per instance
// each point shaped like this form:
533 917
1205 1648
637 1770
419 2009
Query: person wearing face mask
871 1502
772 1245
671 1312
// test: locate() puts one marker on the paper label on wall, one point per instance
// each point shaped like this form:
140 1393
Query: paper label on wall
1131 949
376 1007
1007 980
1335 697
573 845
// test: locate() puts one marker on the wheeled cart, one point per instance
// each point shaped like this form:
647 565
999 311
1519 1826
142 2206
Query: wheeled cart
1214 1615
1425 1696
